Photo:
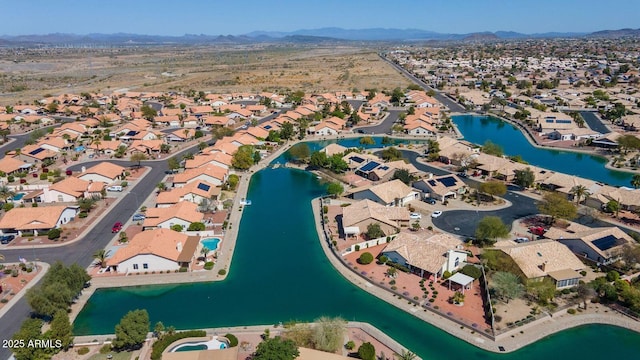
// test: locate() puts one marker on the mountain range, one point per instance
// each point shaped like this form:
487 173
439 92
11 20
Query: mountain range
329 34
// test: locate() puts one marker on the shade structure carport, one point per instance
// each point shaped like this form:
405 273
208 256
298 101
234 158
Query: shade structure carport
461 279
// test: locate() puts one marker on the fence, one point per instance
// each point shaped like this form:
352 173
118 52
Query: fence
368 243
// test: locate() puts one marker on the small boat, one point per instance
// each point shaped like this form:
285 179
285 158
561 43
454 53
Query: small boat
245 202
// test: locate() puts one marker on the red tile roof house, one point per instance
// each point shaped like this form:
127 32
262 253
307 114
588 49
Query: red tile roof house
71 189
107 147
156 250
9 165
183 213
195 192
39 220
181 135
105 172
217 158
209 173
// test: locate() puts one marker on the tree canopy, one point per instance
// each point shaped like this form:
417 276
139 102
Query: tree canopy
60 286
243 158
403 175
492 149
367 351
556 206
489 229
132 330
335 189
276 348
524 178
507 285
493 188
300 152
148 112
374 231
390 154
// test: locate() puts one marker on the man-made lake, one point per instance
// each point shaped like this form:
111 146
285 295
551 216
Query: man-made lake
479 129
280 273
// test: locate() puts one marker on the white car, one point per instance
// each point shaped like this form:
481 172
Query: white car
436 213
115 188
415 216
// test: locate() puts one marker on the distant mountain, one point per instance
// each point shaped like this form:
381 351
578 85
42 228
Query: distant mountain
306 36
615 33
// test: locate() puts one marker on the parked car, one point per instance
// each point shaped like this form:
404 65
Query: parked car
5 239
430 201
462 174
415 216
436 214
139 217
115 188
521 240
537 230
171 172
116 227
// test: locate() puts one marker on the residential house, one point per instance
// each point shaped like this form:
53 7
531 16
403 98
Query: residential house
441 187
10 165
217 158
149 147
358 216
392 193
210 173
426 254
156 250
603 245
333 149
183 213
545 258
195 192
71 189
36 221
181 135
105 172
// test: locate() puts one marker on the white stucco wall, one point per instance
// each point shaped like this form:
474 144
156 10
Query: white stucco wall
155 263
96 178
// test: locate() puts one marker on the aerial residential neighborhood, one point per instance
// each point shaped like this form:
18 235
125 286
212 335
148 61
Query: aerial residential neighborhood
372 193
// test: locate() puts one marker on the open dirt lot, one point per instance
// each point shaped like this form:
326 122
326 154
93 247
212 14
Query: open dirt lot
29 74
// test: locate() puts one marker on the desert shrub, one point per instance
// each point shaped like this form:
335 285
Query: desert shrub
471 270
83 350
105 349
53 234
233 340
365 258
350 345
208 265
571 311
222 272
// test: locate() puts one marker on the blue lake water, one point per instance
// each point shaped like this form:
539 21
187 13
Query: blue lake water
479 129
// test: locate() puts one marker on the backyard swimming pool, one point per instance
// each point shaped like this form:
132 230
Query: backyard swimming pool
211 243
213 344
18 196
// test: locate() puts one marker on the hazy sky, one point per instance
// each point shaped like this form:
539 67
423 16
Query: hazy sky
235 17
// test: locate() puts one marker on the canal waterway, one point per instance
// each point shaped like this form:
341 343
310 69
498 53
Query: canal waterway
480 129
280 273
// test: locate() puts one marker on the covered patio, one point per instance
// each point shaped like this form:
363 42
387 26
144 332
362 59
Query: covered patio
461 279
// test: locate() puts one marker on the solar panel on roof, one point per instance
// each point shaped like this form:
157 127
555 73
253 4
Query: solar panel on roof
449 181
131 133
204 187
432 182
384 168
357 159
370 166
267 127
36 151
607 242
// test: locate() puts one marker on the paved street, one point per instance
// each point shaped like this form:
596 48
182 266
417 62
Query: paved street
81 252
448 102
384 127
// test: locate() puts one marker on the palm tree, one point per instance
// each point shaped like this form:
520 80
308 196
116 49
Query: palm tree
205 251
406 355
186 134
86 204
6 193
101 256
97 143
579 192
635 181
391 272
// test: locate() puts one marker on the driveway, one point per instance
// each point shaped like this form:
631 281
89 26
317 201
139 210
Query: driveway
384 127
594 122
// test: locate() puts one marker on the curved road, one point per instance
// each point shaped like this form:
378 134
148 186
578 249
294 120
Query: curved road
464 222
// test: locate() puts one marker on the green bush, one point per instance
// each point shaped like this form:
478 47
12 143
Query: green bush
357 247
82 215
350 345
233 340
160 345
53 234
196 226
471 270
613 276
366 351
177 227
583 273
105 349
571 311
222 272
365 258
446 274
44 176
7 206
83 350
183 269
208 265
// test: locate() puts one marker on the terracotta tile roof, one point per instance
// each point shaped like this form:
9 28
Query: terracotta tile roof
207 158
217 120
176 195
423 251
334 148
180 133
164 243
367 209
210 170
258 133
106 169
391 190
531 256
72 186
41 217
9 164
106 145
589 235
183 210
